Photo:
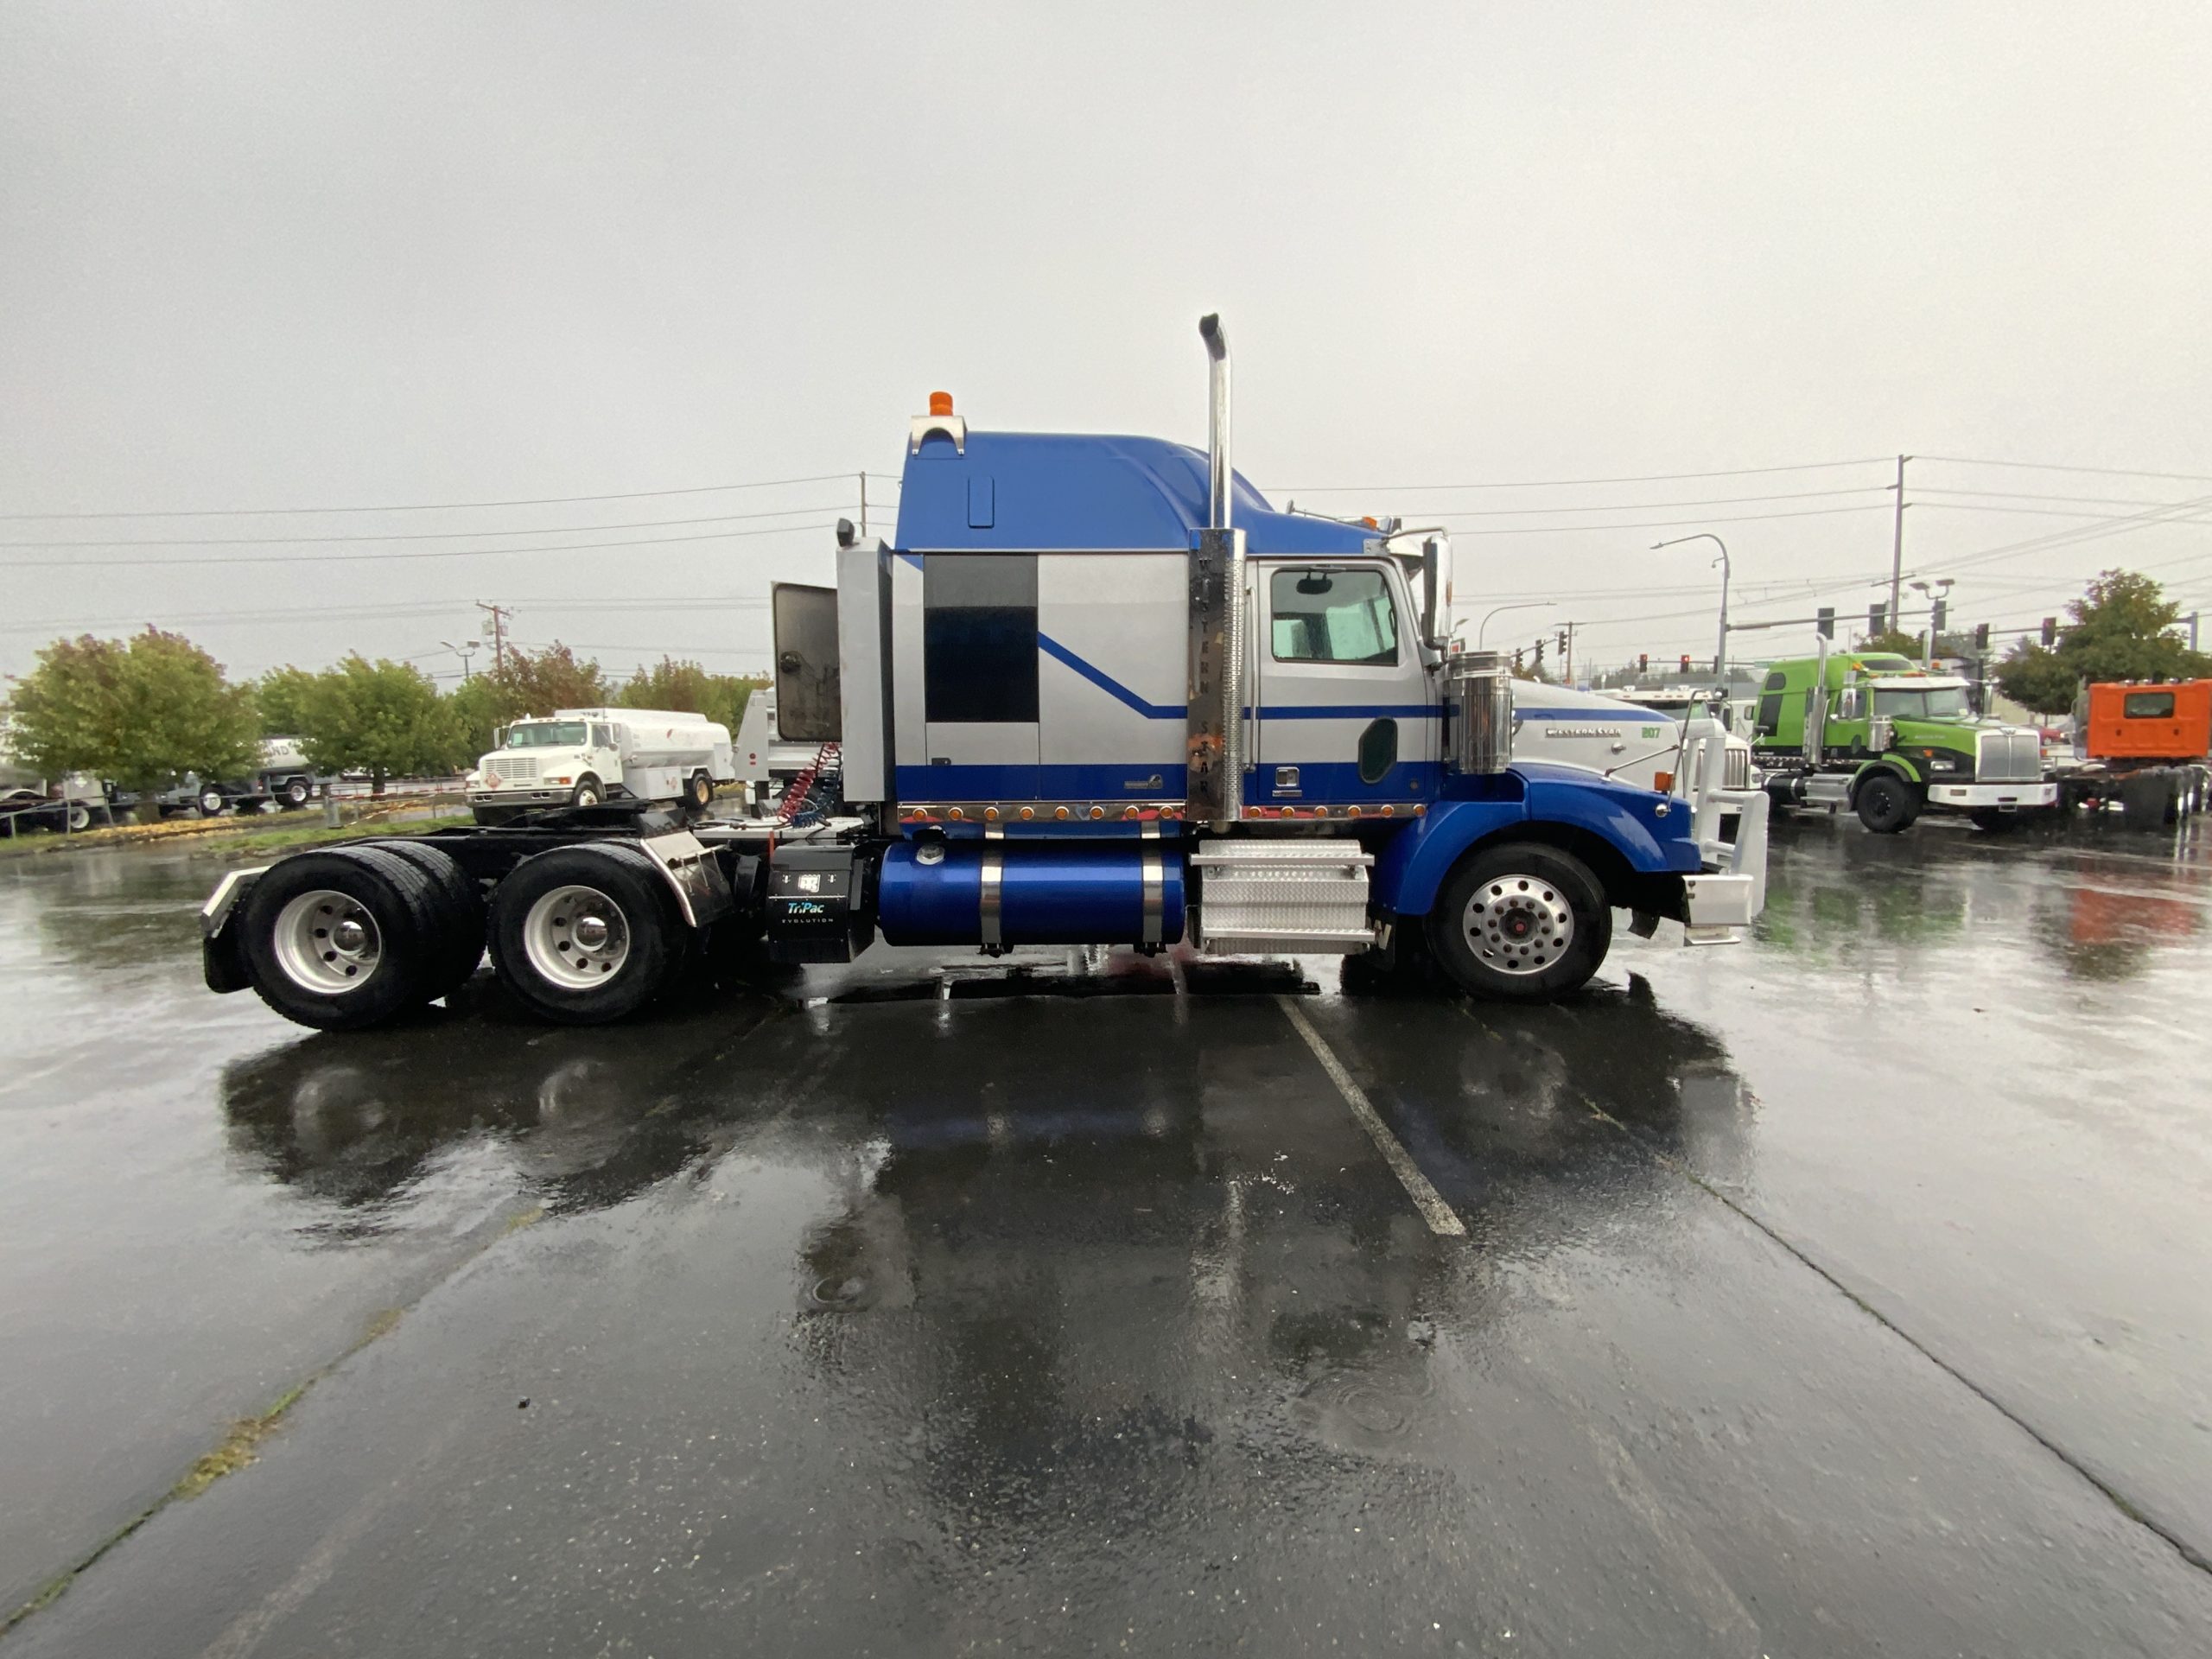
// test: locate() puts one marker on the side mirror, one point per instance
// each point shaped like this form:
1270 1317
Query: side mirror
1436 592
499 737
1846 706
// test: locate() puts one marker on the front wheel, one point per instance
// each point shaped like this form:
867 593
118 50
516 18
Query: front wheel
211 803
297 792
1523 921
588 792
1886 806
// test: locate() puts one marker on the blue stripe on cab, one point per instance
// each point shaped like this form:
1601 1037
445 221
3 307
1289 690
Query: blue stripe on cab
1107 682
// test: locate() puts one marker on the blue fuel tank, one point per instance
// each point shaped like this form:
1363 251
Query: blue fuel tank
1046 892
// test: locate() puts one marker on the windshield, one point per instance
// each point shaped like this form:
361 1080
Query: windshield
546 734
1935 703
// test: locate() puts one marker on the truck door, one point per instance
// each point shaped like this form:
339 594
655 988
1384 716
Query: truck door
979 677
1341 713
807 707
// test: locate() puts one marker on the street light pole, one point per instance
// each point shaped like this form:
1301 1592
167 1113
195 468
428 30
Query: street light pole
1519 604
1721 651
462 652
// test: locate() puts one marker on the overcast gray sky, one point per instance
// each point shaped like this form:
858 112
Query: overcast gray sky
325 256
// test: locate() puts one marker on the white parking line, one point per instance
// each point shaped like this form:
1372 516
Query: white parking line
1439 1215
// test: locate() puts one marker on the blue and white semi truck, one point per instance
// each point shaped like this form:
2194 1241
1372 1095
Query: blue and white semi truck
1096 691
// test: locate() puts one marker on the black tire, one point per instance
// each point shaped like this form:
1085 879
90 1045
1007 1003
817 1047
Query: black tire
461 913
77 817
2146 798
212 802
297 793
588 792
637 897
1885 804
1518 898
699 792
399 901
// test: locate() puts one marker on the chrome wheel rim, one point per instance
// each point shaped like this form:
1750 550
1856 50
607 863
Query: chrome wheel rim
327 944
576 938
1518 924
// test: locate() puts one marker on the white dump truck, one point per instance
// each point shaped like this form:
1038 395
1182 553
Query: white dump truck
595 757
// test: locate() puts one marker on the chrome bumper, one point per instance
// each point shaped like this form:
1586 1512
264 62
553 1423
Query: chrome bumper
1970 796
1720 904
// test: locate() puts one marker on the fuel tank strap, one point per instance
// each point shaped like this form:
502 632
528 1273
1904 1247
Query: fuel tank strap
988 895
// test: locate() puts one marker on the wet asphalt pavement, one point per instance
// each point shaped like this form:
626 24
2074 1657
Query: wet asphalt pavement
1848 1292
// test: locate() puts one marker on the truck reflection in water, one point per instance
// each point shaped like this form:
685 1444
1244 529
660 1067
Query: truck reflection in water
2105 910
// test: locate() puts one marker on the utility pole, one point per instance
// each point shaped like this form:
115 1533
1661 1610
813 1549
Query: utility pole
2192 629
863 506
1896 545
500 616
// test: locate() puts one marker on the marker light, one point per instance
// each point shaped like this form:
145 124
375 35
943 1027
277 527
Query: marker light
940 402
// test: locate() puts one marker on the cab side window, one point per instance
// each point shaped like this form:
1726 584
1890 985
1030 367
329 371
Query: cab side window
1770 716
1333 616
602 737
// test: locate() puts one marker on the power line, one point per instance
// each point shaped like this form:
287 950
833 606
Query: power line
1666 523
436 553
434 506
430 535
1639 506
1568 483
2054 467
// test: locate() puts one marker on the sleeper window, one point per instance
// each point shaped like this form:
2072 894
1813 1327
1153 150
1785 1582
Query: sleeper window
1333 616
979 636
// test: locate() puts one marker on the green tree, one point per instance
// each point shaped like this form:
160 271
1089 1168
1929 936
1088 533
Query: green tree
539 683
687 686
2120 630
384 718
2035 678
140 711
477 707
282 698
1894 640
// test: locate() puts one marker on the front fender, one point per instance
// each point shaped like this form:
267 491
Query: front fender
1893 763
1651 833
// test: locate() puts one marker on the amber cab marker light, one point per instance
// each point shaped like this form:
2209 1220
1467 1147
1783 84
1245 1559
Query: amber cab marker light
940 402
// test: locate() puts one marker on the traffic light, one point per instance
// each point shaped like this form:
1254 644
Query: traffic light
2050 631
1539 655
1517 659
1825 622
1643 662
1686 661
1878 618
1981 638
1561 637
1940 615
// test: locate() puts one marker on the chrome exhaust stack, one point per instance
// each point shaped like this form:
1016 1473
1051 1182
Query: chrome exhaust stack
1218 473
1214 747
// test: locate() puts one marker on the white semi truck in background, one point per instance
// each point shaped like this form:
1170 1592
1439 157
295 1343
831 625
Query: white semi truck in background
588 757
1099 692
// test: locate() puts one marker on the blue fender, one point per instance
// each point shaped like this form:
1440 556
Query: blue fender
1650 831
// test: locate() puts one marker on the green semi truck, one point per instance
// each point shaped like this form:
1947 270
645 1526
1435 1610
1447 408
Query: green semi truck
1888 739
